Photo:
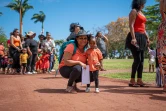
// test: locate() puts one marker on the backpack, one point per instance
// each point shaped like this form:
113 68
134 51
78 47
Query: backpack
62 48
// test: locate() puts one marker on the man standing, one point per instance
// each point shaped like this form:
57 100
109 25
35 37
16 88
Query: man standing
101 44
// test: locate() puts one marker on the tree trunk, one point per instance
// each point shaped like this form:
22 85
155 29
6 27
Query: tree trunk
42 28
20 21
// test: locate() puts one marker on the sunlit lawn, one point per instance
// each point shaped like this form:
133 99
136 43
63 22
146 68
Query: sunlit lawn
121 64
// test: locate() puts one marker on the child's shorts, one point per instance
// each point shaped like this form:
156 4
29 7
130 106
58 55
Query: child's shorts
24 64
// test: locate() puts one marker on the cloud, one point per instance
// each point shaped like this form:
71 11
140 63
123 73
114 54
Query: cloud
48 1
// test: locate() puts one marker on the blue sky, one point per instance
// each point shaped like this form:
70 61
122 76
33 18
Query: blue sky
60 13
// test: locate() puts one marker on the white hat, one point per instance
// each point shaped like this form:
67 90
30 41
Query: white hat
30 33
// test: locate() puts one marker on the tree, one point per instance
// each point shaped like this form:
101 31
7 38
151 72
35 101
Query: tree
39 18
1 13
58 43
117 32
3 37
153 16
21 8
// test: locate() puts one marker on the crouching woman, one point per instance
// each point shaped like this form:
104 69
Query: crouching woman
71 64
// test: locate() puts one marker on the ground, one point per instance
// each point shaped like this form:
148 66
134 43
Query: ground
45 92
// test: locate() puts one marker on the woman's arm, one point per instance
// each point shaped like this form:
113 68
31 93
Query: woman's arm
105 38
20 43
67 59
132 17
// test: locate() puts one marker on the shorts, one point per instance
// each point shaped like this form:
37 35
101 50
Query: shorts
24 64
151 61
9 66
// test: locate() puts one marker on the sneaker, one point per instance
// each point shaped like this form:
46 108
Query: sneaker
52 70
97 90
28 73
70 89
34 72
87 89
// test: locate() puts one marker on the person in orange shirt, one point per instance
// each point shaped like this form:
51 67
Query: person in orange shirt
95 58
23 60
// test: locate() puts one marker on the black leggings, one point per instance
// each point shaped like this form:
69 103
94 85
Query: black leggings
94 77
73 73
31 63
138 63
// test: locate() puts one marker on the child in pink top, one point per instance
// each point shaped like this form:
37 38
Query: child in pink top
95 57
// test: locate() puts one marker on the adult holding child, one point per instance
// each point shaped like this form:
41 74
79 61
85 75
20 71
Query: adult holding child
15 49
137 40
71 64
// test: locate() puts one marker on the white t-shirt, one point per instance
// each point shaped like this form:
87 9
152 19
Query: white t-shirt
49 44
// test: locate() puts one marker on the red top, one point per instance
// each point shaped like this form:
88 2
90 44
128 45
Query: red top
139 25
8 41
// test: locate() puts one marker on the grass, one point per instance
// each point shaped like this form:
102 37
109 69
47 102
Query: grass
122 64
147 77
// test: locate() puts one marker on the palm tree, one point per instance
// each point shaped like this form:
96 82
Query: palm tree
1 13
39 18
21 8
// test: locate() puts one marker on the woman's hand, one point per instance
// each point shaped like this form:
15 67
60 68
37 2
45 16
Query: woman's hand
19 50
83 65
97 65
148 42
133 41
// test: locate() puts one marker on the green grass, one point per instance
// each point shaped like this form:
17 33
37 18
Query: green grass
121 63
147 77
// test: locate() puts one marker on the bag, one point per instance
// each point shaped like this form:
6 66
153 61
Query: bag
62 48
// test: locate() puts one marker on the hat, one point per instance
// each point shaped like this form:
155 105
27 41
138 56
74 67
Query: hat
30 33
41 36
73 25
83 32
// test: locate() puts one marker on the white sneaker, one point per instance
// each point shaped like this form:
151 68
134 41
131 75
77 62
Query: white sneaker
97 90
87 89
28 73
34 72
52 70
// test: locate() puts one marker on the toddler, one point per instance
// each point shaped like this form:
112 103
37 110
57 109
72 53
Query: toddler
95 57
23 60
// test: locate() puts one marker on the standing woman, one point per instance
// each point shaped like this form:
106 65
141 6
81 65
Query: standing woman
15 49
161 45
32 49
137 40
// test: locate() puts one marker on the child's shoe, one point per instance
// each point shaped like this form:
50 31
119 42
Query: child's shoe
97 90
87 89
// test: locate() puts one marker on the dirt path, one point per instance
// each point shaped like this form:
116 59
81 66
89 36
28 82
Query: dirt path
44 92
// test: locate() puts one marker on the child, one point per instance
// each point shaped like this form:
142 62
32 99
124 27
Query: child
39 62
45 61
9 66
23 60
95 57
4 62
152 54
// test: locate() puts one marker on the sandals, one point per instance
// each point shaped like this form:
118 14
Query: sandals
133 85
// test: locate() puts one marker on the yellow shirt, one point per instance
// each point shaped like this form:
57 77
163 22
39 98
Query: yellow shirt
23 58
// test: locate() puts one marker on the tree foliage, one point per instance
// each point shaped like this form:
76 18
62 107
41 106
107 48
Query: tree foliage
39 18
153 16
3 37
117 32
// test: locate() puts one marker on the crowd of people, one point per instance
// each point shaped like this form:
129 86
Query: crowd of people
25 55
